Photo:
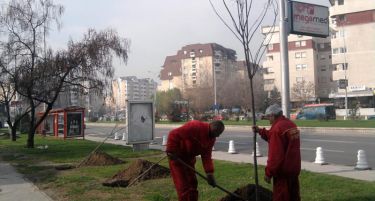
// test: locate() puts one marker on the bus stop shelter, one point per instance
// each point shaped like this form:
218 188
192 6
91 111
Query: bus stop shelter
64 122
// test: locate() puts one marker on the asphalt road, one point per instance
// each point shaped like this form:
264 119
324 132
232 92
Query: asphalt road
340 147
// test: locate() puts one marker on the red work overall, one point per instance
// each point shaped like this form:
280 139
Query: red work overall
284 159
187 142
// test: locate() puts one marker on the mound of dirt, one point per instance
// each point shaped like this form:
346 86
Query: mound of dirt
248 193
137 168
101 159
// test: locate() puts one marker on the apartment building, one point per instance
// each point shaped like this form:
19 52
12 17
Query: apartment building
131 88
353 51
194 65
309 64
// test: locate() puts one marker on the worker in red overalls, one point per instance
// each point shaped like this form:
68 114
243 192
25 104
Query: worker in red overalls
185 143
284 156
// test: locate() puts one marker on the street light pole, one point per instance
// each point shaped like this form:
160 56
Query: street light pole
284 31
215 98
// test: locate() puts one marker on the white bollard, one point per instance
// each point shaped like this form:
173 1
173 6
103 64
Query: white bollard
319 159
231 149
258 153
362 161
164 143
117 137
123 136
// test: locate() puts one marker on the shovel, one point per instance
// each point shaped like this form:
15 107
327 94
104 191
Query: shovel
205 178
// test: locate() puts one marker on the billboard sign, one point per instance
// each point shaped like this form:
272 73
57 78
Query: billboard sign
140 120
309 19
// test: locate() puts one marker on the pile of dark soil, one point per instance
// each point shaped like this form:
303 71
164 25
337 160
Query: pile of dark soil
137 168
248 193
101 159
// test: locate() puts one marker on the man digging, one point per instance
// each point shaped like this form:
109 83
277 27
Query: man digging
184 144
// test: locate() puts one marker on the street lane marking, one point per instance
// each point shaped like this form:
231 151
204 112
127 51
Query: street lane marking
227 142
329 150
336 141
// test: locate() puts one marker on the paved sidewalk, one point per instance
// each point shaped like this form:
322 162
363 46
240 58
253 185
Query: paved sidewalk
13 187
339 170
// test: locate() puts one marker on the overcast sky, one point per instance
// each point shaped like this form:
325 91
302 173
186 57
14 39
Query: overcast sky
156 28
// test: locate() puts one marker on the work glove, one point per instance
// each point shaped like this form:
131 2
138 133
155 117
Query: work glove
172 156
211 179
256 129
267 179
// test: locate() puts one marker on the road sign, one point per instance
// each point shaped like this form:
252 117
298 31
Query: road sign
343 83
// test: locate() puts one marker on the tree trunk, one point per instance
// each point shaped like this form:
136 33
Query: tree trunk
14 133
30 139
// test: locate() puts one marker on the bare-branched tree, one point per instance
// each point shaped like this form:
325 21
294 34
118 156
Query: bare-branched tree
39 74
244 19
303 92
23 24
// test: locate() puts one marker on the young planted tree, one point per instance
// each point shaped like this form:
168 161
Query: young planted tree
244 20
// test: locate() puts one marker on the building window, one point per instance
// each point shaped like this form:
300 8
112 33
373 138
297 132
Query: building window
340 2
269 81
341 18
298 44
321 45
270 58
270 46
298 55
330 56
303 43
194 82
301 66
342 49
322 57
340 66
303 54
323 68
342 33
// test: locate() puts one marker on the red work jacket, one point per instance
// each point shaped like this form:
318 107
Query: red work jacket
284 156
190 140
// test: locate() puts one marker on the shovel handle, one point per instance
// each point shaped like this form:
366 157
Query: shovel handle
205 178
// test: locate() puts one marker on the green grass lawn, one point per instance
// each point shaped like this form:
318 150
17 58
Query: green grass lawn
84 183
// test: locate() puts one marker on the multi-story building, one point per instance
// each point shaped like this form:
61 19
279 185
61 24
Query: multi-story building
309 64
353 52
131 88
194 67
